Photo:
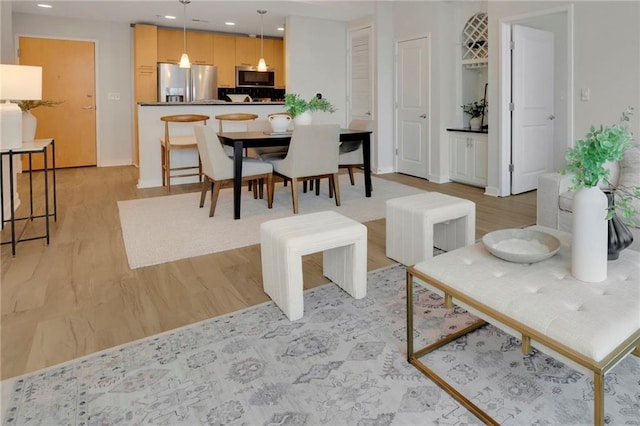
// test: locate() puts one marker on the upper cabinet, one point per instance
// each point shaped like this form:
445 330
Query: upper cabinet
247 51
170 45
224 57
200 48
278 63
475 41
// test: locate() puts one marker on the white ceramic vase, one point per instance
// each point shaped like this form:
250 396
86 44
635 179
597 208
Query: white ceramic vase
589 237
279 122
475 123
302 119
29 124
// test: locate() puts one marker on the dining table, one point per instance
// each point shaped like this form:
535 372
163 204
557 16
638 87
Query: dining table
241 140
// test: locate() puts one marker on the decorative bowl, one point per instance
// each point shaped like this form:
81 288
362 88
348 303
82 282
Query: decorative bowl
521 245
237 98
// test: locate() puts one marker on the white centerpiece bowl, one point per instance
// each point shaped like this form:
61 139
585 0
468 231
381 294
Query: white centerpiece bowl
521 245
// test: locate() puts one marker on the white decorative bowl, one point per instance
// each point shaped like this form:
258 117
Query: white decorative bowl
237 98
521 245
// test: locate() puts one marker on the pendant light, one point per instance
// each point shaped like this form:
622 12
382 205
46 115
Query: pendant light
262 65
184 59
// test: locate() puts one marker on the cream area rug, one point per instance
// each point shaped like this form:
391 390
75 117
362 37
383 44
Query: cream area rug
163 229
343 364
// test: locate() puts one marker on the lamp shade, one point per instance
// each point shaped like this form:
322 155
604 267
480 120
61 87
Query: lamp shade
20 82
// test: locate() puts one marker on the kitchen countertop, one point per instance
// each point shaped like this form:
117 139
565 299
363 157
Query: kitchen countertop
211 102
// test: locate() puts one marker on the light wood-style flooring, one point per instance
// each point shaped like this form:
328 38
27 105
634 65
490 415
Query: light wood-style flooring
78 295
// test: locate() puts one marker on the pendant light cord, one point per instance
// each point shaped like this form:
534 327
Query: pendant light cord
184 27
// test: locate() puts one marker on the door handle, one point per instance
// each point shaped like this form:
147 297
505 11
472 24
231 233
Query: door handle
367 113
552 117
88 107
423 116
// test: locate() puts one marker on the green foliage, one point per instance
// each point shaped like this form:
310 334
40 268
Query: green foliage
474 109
28 105
295 105
586 159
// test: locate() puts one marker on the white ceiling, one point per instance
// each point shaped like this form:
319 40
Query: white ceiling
209 15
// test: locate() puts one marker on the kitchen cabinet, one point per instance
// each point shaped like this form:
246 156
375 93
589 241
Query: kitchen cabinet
170 45
468 158
145 81
247 49
278 63
224 57
200 47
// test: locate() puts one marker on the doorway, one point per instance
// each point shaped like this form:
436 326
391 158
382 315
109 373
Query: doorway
412 107
559 22
68 75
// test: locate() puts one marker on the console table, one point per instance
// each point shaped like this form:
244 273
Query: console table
589 326
39 146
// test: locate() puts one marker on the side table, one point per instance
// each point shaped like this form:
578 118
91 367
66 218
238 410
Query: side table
39 146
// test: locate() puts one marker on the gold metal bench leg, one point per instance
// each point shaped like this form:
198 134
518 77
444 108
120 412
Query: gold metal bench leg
598 399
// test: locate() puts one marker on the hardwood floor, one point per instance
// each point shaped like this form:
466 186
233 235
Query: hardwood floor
78 295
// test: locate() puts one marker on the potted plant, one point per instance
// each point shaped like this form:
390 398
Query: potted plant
29 121
586 162
299 109
475 109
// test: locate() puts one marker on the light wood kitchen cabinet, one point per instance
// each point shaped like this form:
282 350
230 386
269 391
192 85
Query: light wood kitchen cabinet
247 51
468 158
224 57
278 63
200 47
145 79
170 45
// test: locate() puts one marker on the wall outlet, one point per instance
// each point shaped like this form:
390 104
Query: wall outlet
113 96
585 95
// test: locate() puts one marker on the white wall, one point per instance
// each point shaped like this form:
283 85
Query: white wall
113 75
316 63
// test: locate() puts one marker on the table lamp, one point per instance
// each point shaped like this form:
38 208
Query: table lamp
17 83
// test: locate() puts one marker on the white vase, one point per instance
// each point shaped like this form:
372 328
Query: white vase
29 124
589 238
302 119
279 122
475 123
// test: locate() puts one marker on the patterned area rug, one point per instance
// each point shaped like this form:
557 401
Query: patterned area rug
163 229
344 363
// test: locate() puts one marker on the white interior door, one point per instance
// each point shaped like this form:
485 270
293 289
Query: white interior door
412 107
360 75
532 96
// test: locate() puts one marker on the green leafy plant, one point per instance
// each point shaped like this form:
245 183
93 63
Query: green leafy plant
295 105
29 105
586 162
474 109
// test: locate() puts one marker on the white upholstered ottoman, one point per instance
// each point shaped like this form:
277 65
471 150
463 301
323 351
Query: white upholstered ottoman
283 242
417 223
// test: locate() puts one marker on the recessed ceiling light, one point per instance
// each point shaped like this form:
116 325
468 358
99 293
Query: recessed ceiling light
46 6
169 17
230 23
280 28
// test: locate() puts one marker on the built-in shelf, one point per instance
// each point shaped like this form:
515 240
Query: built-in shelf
475 41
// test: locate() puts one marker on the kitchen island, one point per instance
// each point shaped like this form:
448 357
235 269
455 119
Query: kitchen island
151 129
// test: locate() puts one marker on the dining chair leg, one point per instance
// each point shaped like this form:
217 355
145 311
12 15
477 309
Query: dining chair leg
304 186
294 194
351 177
260 183
336 187
214 197
270 190
317 187
167 163
330 188
254 186
163 160
205 189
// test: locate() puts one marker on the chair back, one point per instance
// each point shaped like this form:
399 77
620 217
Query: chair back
182 118
313 150
237 117
259 125
364 125
215 162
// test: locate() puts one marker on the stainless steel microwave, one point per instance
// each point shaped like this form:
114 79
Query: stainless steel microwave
251 77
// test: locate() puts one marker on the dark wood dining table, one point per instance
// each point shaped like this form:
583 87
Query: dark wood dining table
241 140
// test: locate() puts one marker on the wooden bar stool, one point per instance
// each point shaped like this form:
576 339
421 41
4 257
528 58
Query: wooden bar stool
186 140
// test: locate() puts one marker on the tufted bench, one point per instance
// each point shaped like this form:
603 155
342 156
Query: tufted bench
417 223
283 242
589 326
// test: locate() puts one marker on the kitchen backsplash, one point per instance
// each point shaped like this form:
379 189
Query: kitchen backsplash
255 93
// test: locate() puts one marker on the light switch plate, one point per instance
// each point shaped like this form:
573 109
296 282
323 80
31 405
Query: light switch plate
113 96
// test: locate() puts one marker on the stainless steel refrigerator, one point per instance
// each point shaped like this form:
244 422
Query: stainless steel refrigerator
198 83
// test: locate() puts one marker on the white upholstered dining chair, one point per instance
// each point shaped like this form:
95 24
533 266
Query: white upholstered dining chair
313 154
217 168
